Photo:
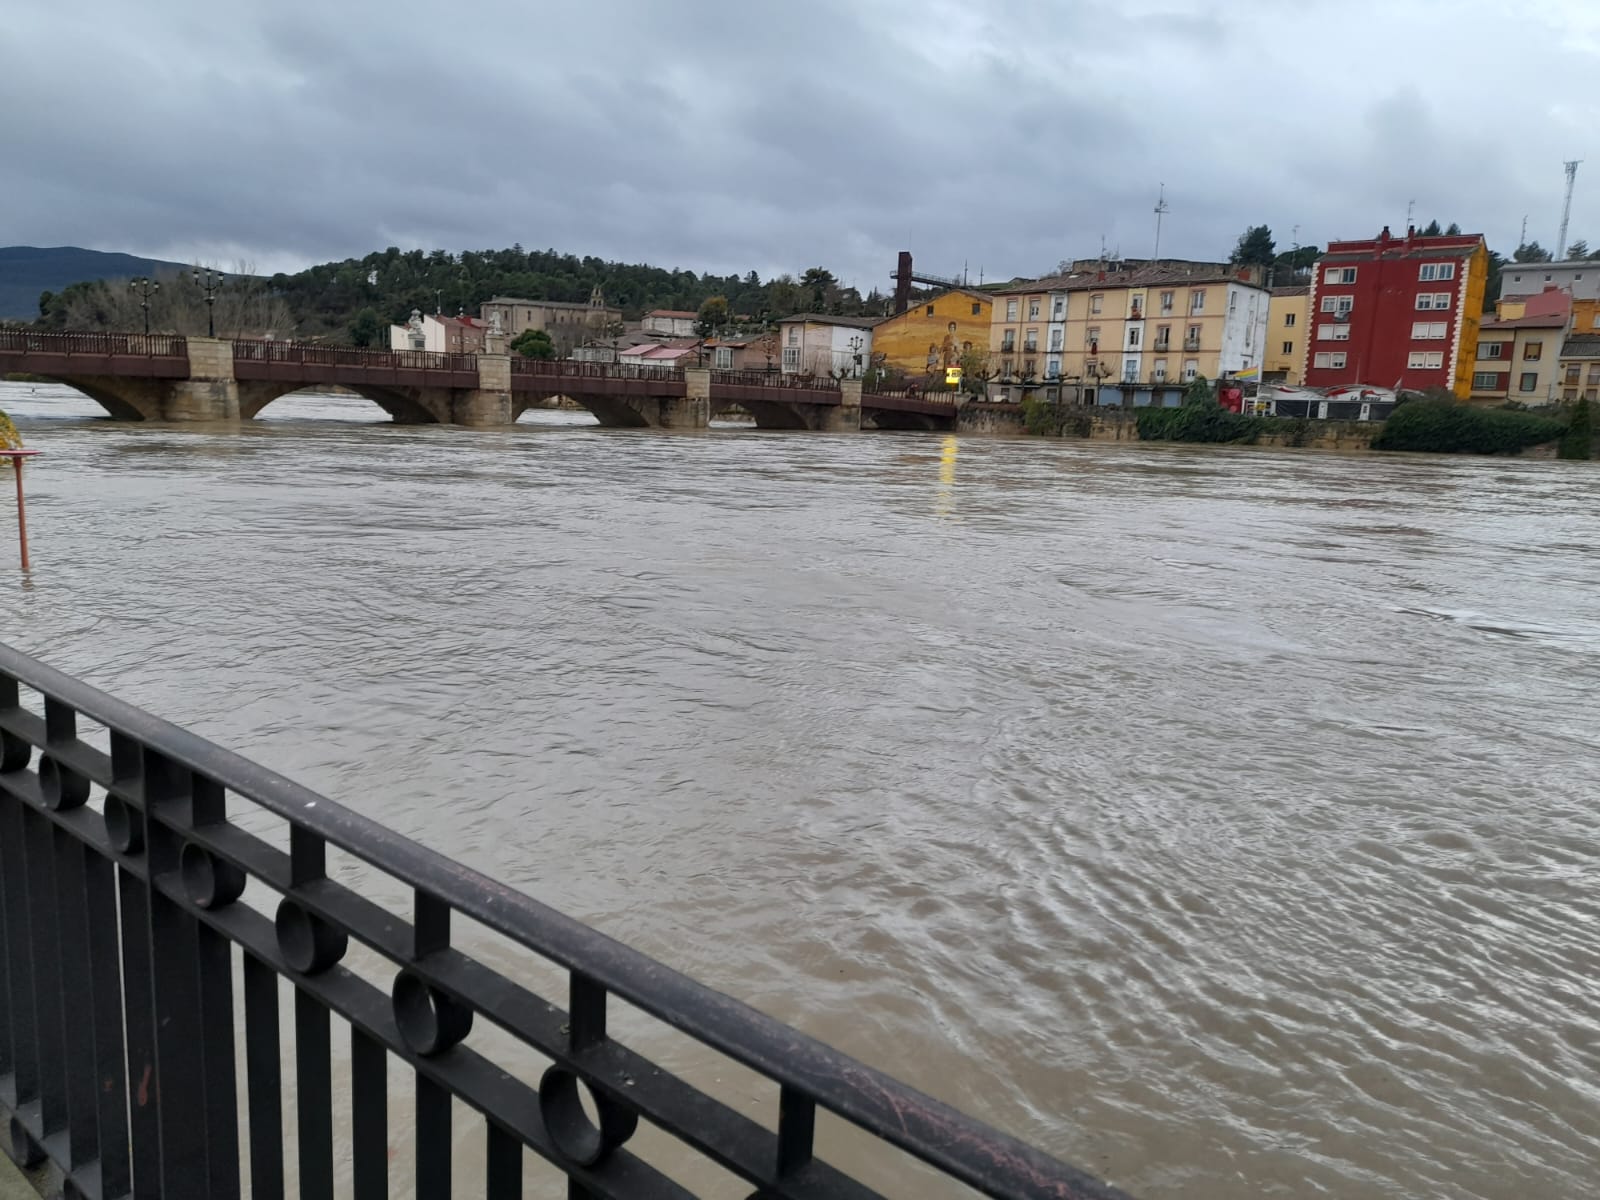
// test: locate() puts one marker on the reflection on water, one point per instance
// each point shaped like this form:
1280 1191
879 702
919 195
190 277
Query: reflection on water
1221 820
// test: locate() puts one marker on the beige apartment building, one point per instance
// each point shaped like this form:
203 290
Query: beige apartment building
1109 331
1287 313
568 324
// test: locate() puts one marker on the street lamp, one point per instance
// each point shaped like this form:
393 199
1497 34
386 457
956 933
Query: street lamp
143 288
855 352
209 281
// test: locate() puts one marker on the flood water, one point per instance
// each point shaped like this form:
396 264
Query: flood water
1222 821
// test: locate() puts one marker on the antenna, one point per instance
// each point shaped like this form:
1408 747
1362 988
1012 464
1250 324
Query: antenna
1566 208
1523 240
1162 208
1411 206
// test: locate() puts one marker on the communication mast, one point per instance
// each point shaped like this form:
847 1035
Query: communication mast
1566 208
1161 210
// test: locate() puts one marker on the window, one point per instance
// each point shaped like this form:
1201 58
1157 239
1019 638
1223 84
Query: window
1570 394
1594 372
1053 366
1491 349
1008 341
1233 301
1433 300
1191 368
977 308
1159 371
1197 301
1058 308
1163 336
1166 303
1191 340
1288 347
1288 319
1097 302
1485 381
1573 371
1011 310
1333 361
1596 322
1589 394
1133 338
794 336
1339 305
1339 275
1056 336
1033 310
1030 341
1333 333
1092 340
1528 381
1428 330
1439 271
1531 351
791 358
1425 360
1327 303
1130 370
724 360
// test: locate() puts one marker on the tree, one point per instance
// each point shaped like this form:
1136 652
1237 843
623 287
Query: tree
1198 393
713 316
364 328
534 343
1431 229
1254 249
1578 249
1491 291
818 283
976 371
1452 230
1578 441
1530 252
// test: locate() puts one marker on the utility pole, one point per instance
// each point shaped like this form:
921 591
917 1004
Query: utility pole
1566 208
1523 239
1161 210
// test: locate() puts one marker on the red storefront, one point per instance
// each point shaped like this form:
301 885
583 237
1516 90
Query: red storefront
1397 312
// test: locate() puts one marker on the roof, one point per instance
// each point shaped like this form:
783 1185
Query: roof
830 319
1583 345
1154 276
1549 309
540 303
1398 248
1303 289
677 314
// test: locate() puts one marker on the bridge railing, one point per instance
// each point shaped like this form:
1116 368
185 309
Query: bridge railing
140 345
566 368
134 882
777 379
245 350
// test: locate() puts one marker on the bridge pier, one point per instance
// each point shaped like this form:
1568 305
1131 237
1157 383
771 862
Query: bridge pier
490 402
692 410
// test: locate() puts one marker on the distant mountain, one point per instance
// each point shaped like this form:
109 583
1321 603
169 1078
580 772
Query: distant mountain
25 271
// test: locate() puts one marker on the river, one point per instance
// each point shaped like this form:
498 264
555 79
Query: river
1222 821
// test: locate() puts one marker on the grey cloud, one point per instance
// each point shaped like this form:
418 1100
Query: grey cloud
726 137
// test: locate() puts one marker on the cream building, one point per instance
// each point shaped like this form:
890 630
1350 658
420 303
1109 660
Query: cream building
1287 314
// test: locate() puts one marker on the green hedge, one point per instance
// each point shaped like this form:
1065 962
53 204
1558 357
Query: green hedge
1199 423
1446 427
1578 441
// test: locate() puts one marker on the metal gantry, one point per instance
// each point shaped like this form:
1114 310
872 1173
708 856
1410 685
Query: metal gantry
124 917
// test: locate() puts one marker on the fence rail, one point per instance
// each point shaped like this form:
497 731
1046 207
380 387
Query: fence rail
121 877
143 345
559 368
774 379
351 356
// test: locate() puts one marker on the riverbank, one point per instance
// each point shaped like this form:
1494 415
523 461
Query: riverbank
1097 424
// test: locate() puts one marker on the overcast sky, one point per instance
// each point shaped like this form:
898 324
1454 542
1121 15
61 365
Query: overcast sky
687 133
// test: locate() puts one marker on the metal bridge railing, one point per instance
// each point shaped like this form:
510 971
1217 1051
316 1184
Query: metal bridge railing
144 345
776 379
562 368
351 356
123 915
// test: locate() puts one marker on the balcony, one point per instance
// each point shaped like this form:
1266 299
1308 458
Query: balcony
1136 315
1031 347
1191 344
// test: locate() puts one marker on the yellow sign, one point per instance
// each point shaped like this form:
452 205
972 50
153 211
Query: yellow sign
952 376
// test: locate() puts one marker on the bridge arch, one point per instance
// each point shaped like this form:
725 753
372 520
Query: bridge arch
124 399
405 406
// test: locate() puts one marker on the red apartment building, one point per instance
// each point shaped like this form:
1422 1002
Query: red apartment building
1398 312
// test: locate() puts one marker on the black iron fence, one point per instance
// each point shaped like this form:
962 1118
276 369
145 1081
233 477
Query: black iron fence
249 350
142 345
774 379
566 368
134 884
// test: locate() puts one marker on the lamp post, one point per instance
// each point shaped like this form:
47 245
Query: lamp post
209 282
855 353
144 288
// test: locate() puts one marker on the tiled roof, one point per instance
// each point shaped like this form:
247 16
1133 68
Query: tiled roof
537 303
1303 289
830 319
1583 345
672 312
1160 275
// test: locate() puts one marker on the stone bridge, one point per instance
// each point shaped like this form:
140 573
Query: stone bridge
156 377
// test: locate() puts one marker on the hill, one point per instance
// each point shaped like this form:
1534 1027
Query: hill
26 271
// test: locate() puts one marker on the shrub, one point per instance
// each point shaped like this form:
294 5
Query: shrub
1198 422
1448 427
1050 418
1578 441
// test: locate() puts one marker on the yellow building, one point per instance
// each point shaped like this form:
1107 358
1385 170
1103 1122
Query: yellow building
1286 331
1162 324
930 336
